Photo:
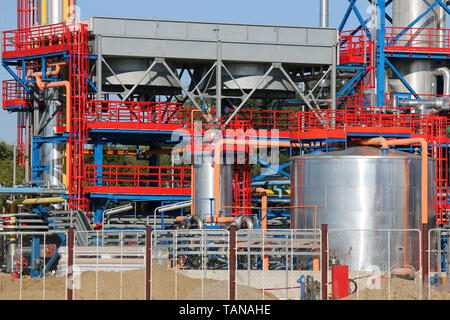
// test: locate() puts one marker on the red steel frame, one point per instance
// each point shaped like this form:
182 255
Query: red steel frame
354 118
15 96
426 40
78 75
137 179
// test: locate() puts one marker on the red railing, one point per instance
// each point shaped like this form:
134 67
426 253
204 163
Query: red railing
354 47
137 179
418 40
36 41
15 96
364 120
136 115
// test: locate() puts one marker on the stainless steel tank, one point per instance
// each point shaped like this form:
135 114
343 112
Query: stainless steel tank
362 189
204 189
417 72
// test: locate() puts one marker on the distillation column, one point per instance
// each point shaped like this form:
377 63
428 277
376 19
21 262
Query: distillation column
418 73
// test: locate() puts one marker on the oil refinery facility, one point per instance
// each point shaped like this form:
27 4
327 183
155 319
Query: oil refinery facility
205 160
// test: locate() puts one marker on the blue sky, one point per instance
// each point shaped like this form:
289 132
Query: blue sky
282 12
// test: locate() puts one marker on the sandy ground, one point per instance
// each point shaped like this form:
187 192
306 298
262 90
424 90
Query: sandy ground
128 285
400 289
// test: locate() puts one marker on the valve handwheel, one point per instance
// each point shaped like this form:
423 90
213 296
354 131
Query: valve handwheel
21 264
50 250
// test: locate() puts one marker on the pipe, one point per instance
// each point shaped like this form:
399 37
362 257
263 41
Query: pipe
218 151
263 194
43 12
65 10
324 13
71 8
189 218
377 141
445 73
241 220
424 175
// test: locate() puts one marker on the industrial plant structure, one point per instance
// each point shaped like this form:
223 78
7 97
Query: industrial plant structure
205 111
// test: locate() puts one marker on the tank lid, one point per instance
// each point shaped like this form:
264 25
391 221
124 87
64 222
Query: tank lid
358 152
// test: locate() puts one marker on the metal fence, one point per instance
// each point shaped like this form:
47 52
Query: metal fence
109 265
275 262
31 266
382 264
438 263
190 265
224 264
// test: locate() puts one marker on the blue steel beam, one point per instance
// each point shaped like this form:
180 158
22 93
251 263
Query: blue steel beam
13 74
350 83
347 15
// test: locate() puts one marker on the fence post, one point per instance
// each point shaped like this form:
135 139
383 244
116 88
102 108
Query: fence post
232 262
70 243
425 275
324 266
148 262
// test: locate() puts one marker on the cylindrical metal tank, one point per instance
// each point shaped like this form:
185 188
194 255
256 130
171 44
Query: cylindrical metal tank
362 189
417 72
204 189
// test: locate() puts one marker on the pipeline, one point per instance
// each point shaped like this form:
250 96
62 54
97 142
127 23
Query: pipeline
424 175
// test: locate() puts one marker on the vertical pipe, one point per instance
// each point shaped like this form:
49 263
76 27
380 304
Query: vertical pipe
324 253
232 262
148 263
324 13
425 275
43 12
70 243
65 10
219 81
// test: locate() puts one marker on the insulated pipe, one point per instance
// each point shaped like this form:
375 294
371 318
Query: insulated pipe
189 218
445 73
424 175
324 13
218 151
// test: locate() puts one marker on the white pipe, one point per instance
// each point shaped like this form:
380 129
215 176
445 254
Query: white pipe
324 13
445 73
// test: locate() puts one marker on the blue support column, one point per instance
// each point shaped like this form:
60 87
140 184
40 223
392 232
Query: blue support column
98 161
381 57
34 256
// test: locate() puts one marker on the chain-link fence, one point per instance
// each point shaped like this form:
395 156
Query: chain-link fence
109 265
278 263
190 265
439 259
31 265
382 264
248 264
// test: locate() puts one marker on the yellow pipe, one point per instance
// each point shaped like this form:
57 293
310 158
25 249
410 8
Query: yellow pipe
66 10
43 12
42 201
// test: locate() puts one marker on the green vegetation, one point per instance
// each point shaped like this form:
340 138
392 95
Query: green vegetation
6 166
